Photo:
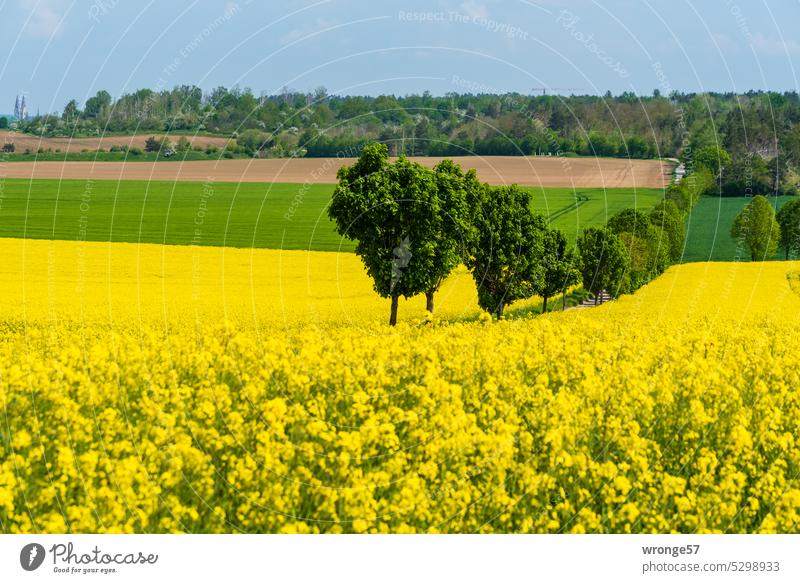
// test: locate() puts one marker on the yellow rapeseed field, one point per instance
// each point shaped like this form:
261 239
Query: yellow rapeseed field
182 389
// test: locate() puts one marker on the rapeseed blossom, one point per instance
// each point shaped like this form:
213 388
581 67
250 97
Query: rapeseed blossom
179 389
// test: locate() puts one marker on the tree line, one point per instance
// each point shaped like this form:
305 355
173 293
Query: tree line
413 225
759 130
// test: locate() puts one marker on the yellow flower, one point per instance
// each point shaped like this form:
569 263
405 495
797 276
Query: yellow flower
262 391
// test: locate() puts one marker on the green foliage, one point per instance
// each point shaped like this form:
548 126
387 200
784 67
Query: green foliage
604 260
687 193
99 105
671 226
3 122
254 141
154 144
507 248
756 229
71 111
762 124
748 175
183 145
713 159
408 221
788 218
456 191
561 266
648 252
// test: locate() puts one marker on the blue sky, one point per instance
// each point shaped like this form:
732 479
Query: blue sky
55 50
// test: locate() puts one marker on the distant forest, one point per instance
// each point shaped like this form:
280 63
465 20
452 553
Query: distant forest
759 130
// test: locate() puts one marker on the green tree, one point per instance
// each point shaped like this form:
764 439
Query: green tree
507 248
254 141
648 252
715 159
71 111
393 213
183 145
98 105
153 144
668 220
3 122
756 229
747 175
452 228
560 267
788 218
604 260
686 193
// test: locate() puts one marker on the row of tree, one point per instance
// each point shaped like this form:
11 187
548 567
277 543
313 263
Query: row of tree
412 225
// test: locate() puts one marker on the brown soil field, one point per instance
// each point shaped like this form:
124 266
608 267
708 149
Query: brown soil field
531 171
24 142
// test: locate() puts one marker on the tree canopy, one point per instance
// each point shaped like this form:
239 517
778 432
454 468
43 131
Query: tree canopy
561 268
648 251
604 260
408 221
507 248
757 230
668 220
788 218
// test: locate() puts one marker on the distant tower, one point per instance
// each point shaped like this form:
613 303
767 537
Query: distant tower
23 109
16 108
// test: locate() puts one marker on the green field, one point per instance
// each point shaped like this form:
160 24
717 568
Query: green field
708 233
278 216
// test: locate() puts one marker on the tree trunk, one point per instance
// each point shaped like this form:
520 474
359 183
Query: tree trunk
544 304
499 311
393 317
429 300
564 300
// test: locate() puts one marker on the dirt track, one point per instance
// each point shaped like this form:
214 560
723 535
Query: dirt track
534 171
24 142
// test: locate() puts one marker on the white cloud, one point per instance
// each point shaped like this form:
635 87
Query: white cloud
770 45
45 16
319 25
